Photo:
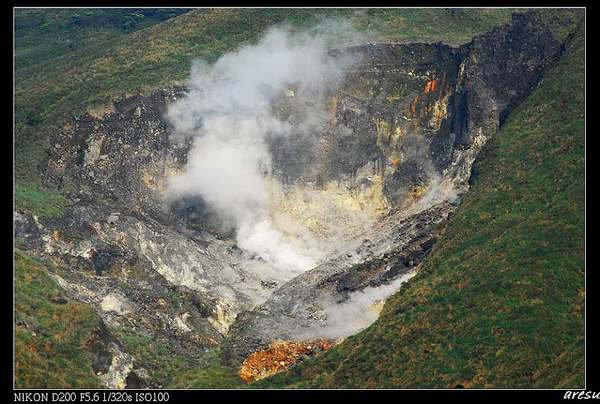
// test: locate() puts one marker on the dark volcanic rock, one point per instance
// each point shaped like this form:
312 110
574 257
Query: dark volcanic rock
27 231
99 352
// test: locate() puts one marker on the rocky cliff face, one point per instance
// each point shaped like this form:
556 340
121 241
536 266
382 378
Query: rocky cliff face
386 171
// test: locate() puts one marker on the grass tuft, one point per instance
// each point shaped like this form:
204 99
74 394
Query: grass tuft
51 331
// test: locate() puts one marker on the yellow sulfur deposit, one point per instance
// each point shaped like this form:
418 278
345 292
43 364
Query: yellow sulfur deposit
417 192
395 159
333 105
332 210
439 111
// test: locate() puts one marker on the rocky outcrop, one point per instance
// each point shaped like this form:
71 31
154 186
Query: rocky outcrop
424 108
115 368
119 238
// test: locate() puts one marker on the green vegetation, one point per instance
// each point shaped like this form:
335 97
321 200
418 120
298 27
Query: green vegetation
45 34
39 201
211 376
561 22
454 27
43 37
174 370
51 332
500 300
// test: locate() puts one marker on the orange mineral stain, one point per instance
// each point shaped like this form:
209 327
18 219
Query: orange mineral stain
430 86
279 356
413 106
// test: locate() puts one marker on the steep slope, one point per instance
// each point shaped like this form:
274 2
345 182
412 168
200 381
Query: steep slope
42 35
100 62
500 300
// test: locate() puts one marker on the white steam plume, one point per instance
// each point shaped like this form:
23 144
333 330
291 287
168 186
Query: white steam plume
229 115
358 312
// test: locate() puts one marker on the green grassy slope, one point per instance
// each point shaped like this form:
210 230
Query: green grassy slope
39 201
45 34
500 300
172 369
51 331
